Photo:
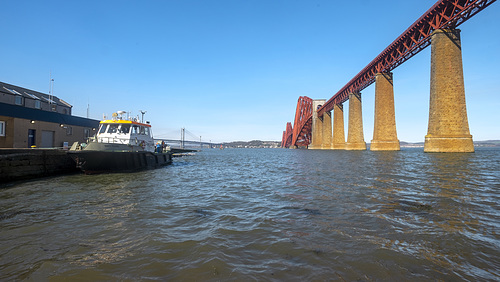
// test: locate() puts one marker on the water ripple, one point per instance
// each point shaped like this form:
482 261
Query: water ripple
261 214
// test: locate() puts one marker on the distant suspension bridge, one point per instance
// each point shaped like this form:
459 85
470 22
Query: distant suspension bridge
194 141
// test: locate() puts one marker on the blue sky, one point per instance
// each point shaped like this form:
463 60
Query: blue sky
233 70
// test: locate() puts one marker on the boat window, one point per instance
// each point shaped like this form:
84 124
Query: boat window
124 128
135 129
113 128
143 130
146 131
102 128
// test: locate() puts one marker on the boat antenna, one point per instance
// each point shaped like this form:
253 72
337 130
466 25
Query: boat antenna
142 118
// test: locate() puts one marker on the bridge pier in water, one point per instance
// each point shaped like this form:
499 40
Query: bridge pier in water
338 140
384 132
327 131
317 126
448 129
355 137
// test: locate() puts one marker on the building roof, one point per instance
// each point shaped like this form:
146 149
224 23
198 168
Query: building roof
38 115
31 94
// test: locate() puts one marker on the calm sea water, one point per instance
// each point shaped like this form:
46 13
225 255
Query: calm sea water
262 214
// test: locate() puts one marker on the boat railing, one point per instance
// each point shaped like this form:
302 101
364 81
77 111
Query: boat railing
113 140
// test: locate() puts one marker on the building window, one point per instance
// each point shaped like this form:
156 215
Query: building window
19 100
54 107
2 128
38 104
69 130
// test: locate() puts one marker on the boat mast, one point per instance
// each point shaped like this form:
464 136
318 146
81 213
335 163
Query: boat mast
142 118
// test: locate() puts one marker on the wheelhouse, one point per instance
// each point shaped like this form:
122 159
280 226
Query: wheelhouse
127 132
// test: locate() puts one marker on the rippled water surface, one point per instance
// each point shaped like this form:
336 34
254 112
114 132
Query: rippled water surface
262 214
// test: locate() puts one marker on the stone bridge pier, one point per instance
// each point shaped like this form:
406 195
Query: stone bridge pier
338 139
385 137
318 125
448 129
323 136
355 136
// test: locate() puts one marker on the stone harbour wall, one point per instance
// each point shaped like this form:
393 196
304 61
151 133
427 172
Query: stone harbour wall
19 164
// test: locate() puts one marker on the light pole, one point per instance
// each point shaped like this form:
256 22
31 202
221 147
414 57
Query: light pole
51 90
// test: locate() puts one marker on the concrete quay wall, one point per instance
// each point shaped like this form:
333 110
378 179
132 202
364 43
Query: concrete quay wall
20 164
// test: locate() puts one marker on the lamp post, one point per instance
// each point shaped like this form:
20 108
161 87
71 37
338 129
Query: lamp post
51 90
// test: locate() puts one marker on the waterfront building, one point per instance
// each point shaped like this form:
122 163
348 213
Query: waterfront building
31 119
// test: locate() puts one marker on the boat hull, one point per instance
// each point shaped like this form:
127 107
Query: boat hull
92 162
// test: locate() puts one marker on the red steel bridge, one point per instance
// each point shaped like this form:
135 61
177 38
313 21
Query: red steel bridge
444 14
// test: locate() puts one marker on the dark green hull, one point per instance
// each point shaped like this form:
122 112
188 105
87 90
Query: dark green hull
108 161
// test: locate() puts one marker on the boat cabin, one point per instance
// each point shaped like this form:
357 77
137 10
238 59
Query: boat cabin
128 132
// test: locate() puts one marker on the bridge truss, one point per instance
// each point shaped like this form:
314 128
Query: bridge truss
301 132
286 141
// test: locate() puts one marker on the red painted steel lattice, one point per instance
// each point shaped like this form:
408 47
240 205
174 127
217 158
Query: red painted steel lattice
286 141
303 122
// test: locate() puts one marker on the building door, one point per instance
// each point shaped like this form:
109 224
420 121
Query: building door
47 139
31 138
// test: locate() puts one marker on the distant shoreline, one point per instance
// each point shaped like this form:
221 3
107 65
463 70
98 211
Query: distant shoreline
486 143
403 144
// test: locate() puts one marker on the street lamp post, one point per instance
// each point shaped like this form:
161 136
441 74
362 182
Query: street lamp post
51 90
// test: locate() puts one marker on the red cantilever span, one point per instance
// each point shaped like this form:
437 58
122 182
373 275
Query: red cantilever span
300 134
303 122
286 141
444 14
